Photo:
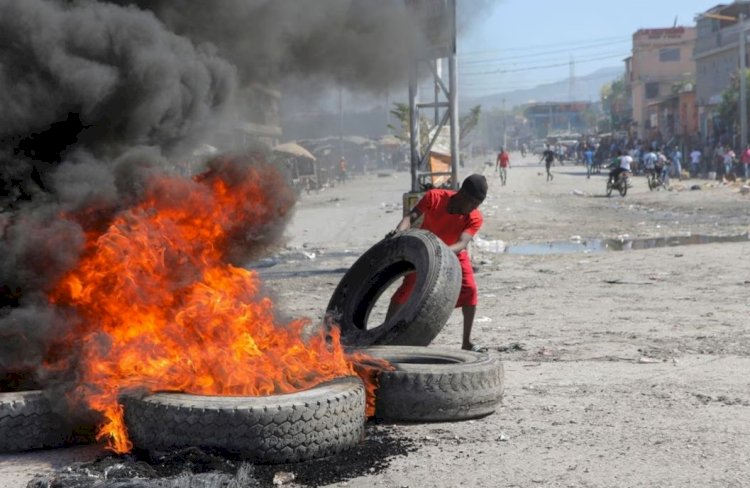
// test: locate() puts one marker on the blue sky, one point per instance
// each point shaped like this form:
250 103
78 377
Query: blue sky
523 43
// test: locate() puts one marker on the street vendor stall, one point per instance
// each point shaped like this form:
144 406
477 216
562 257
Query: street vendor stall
301 165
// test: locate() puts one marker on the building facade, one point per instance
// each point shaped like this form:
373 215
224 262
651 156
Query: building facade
717 61
662 60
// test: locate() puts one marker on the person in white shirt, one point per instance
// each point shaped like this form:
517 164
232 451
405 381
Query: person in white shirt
662 166
695 162
625 162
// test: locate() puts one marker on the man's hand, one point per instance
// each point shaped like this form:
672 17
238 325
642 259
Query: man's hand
392 233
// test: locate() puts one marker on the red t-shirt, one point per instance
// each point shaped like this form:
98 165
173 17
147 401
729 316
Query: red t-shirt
448 227
503 160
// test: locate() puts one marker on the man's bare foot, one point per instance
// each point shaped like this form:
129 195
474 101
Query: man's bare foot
473 347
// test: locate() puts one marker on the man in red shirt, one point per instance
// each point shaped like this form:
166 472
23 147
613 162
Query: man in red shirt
746 162
453 217
503 163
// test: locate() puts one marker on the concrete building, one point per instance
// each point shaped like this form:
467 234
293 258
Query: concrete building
717 62
662 59
675 116
551 117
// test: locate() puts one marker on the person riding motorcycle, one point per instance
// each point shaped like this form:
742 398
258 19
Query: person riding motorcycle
624 165
649 164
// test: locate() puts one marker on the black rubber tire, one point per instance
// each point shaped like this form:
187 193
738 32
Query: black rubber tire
314 423
623 188
423 316
433 384
27 421
609 189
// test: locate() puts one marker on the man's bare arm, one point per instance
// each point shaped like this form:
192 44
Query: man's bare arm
463 243
406 222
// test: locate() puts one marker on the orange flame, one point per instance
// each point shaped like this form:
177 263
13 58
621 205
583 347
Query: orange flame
162 310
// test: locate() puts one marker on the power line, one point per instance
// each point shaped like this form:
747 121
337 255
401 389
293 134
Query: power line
538 62
539 46
527 56
539 67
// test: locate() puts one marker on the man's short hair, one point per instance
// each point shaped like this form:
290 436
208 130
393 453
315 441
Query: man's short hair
475 186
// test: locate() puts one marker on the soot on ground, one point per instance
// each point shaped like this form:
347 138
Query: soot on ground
197 468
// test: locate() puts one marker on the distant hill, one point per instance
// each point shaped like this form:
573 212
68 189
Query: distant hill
585 88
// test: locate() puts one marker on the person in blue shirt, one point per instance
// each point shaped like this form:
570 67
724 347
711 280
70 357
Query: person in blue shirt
588 157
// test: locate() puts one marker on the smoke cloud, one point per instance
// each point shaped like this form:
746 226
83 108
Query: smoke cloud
98 97
94 98
363 44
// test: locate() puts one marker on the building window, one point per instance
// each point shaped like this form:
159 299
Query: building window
669 54
652 89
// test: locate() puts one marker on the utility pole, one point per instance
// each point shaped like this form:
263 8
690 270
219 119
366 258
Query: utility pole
505 131
743 84
341 123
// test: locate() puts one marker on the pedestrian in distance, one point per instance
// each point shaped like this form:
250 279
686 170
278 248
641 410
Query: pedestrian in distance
695 162
677 162
588 157
746 163
729 158
503 163
454 217
342 170
548 156
664 163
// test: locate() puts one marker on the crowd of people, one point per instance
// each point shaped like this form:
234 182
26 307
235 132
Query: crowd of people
720 162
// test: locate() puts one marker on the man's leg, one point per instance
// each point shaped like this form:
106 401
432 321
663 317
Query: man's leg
468 311
393 307
401 295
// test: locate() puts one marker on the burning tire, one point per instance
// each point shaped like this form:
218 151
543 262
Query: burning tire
293 427
27 421
423 316
431 384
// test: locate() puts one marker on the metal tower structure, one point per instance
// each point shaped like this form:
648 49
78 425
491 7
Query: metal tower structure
439 22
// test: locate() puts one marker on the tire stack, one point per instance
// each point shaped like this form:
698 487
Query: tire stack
294 427
428 384
27 421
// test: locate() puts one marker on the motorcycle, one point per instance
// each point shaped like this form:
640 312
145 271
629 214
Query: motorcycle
621 184
655 181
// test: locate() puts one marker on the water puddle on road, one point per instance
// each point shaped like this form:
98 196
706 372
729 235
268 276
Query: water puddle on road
306 263
623 244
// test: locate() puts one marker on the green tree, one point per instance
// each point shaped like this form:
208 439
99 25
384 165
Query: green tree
468 122
400 111
615 105
728 108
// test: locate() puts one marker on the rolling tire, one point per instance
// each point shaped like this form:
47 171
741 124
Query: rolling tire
623 188
609 189
423 316
27 421
433 384
293 427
